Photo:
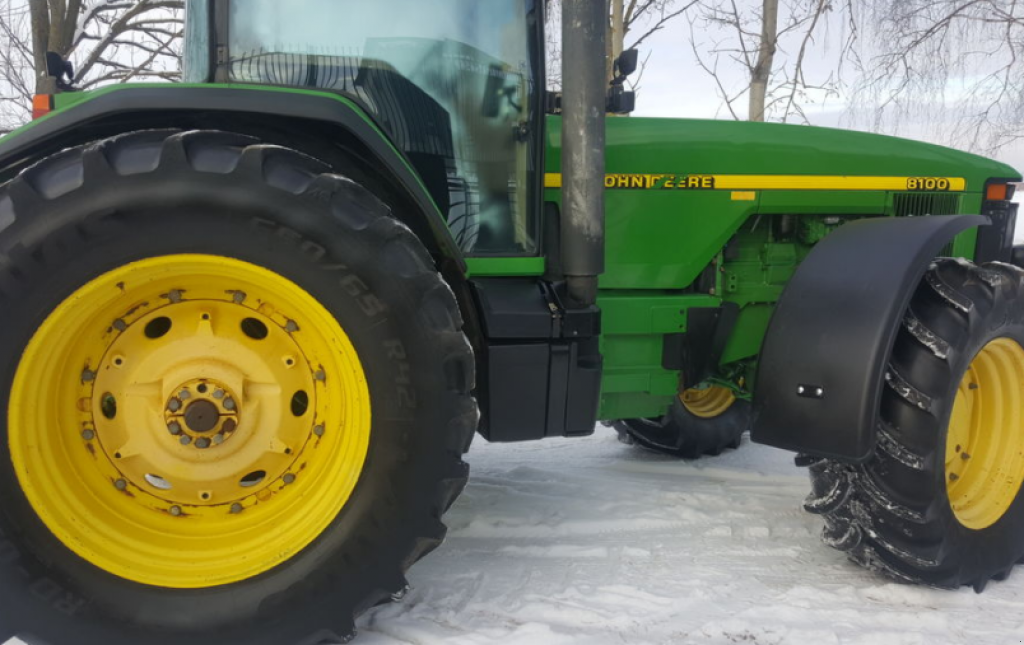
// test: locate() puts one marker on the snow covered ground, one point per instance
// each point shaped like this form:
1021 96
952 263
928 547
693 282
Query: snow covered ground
591 542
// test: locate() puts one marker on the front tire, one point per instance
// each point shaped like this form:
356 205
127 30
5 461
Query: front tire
940 500
237 396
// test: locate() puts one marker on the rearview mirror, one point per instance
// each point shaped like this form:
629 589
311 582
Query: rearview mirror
627 62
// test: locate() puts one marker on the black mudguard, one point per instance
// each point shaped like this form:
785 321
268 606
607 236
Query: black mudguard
822 365
121 109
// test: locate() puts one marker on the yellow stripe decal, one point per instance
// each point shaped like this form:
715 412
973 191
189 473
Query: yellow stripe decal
747 183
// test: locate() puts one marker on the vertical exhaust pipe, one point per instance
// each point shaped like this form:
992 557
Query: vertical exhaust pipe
584 91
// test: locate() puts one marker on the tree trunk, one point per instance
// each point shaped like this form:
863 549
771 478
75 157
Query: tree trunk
40 12
617 39
762 71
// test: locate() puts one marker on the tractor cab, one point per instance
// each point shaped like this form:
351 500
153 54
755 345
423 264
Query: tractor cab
454 84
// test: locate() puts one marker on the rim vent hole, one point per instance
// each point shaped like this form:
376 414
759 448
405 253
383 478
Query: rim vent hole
254 329
158 327
158 482
300 403
108 405
253 478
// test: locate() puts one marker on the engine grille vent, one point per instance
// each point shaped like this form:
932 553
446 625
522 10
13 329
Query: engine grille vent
919 204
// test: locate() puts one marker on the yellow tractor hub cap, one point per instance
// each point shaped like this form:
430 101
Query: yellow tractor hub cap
189 421
985 442
709 402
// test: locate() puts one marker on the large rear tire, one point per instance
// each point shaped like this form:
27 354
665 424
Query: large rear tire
699 422
237 396
940 500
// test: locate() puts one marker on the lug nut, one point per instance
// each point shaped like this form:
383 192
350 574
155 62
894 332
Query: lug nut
289 478
965 456
174 428
174 405
953 477
185 440
236 508
318 431
219 394
184 394
88 434
202 443
121 484
218 439
229 404
175 511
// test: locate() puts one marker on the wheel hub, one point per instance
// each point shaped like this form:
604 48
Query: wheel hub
984 459
201 409
708 402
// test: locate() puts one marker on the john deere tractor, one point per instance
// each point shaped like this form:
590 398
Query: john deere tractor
251 322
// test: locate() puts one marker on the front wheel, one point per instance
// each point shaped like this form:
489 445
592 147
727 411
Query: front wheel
940 500
236 391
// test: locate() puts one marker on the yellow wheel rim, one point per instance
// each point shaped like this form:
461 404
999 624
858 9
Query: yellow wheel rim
189 421
985 442
709 402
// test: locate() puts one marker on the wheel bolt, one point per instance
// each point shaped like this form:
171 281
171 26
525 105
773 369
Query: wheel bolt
229 404
185 440
121 484
202 443
184 394
236 508
219 394
289 478
174 405
318 431
218 439
175 511
88 435
174 428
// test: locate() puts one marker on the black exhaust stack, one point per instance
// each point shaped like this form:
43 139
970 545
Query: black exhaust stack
584 93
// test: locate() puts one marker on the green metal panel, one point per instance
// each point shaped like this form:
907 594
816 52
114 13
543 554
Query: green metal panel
479 267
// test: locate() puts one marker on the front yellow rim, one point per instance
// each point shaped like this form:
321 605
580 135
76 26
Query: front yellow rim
709 402
189 421
985 442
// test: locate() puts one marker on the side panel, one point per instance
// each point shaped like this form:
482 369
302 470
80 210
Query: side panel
822 366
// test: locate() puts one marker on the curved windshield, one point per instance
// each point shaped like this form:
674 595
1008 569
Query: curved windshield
450 81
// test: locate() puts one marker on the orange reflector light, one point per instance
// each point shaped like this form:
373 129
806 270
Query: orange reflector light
997 193
42 104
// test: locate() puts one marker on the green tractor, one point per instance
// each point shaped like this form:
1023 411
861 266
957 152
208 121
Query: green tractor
252 322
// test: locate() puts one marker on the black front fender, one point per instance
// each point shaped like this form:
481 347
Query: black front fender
118 109
822 365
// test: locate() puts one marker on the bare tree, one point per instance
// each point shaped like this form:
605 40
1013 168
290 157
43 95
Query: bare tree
630 24
770 43
956 65
107 41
